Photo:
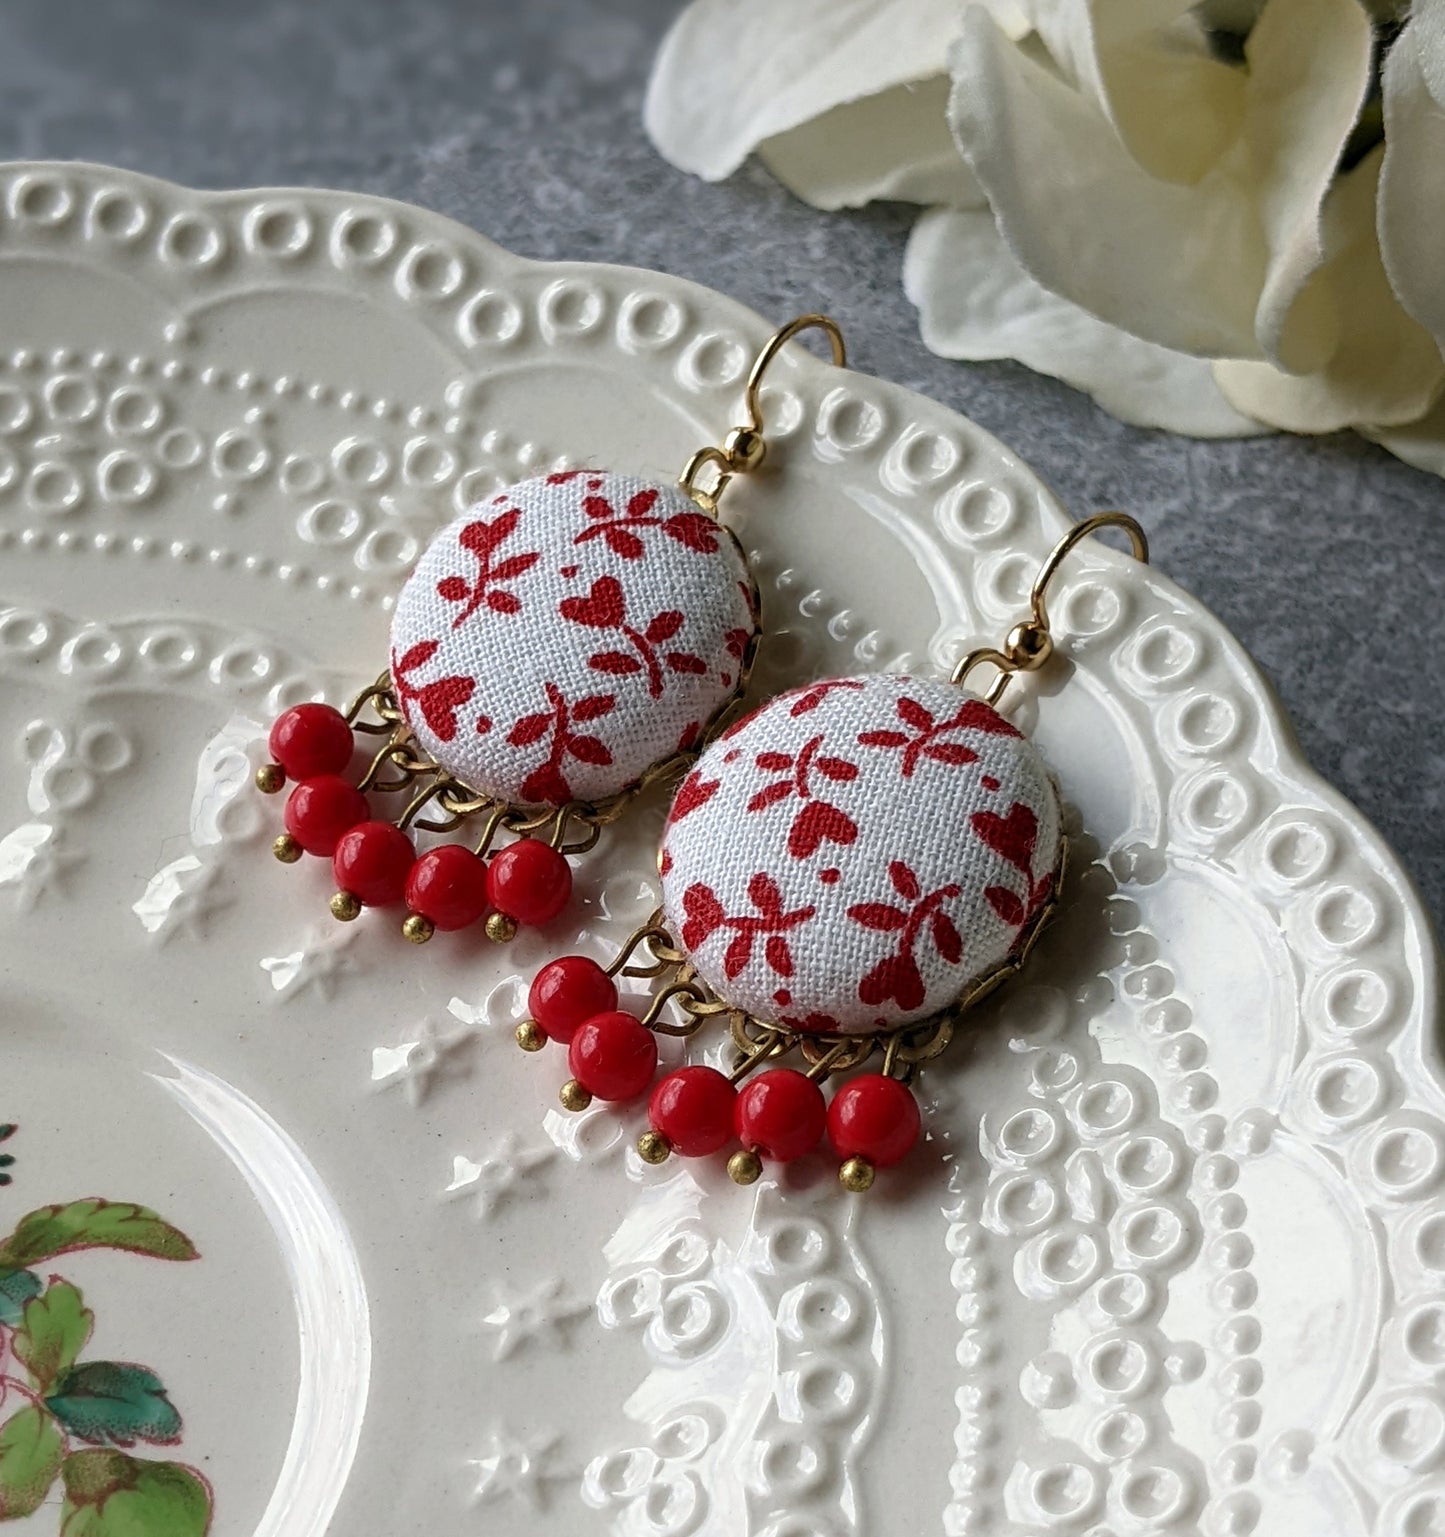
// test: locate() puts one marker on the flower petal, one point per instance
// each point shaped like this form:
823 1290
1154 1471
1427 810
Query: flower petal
1302 110
1428 40
976 302
1386 369
895 144
1412 183
733 73
1217 267
1421 443
1174 106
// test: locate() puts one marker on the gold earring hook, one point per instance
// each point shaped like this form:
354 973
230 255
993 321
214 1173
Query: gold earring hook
1138 539
752 391
744 448
1031 643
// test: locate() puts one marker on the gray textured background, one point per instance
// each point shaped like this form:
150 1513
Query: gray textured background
521 118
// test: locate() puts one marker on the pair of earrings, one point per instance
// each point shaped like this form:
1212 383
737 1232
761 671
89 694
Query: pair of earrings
845 869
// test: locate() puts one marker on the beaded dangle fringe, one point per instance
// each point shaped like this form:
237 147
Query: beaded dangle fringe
766 1111
375 859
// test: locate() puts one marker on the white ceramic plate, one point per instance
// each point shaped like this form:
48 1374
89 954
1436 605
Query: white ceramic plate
1172 1258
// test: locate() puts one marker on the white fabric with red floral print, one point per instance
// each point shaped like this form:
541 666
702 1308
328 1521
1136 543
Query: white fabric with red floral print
558 639
857 854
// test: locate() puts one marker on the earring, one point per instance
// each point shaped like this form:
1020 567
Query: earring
557 649
845 872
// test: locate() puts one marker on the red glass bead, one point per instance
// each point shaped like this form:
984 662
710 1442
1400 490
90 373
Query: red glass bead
311 739
448 886
529 881
567 992
693 1109
781 1114
613 1055
320 810
873 1117
372 863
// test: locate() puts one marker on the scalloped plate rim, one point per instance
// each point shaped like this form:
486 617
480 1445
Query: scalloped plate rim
1263 690
1272 750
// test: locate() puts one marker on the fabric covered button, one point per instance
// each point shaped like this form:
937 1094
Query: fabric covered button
858 854
557 640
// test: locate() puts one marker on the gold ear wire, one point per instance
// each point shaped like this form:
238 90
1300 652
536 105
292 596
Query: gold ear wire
1050 568
1031 643
745 447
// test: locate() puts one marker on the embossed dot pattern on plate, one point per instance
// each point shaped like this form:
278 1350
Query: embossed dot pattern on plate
1209 1120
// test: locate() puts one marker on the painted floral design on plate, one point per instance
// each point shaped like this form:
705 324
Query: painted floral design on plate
74 1420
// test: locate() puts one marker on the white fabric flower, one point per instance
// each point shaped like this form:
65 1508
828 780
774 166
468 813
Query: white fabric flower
1215 244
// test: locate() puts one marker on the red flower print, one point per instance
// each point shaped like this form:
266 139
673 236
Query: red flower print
812 1023
925 734
735 643
1014 838
897 976
817 820
704 915
693 792
547 783
605 608
817 823
810 699
439 700
619 529
483 539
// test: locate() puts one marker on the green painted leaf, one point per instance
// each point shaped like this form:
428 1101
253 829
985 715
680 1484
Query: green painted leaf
17 1287
31 1451
93 1224
115 1404
108 1494
56 1327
